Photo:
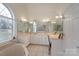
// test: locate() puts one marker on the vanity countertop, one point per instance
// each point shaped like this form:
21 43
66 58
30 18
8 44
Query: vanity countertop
54 36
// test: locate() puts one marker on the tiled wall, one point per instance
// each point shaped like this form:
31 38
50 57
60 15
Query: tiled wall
71 27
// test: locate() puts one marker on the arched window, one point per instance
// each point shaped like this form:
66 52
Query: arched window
7 23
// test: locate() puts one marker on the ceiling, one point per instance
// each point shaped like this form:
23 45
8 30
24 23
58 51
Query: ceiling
37 11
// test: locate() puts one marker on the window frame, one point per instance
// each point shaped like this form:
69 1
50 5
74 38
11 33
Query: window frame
13 21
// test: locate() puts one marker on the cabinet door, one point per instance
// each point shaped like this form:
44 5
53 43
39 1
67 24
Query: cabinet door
57 48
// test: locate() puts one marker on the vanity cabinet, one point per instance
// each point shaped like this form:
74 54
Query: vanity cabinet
56 47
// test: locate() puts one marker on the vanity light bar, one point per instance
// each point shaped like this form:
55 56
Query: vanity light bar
23 19
58 17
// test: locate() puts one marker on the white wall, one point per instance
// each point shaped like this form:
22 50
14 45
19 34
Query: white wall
71 28
38 11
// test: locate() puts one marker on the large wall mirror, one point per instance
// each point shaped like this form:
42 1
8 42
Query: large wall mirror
40 26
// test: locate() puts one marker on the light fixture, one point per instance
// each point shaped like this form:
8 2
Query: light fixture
56 17
61 16
23 19
31 22
46 20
